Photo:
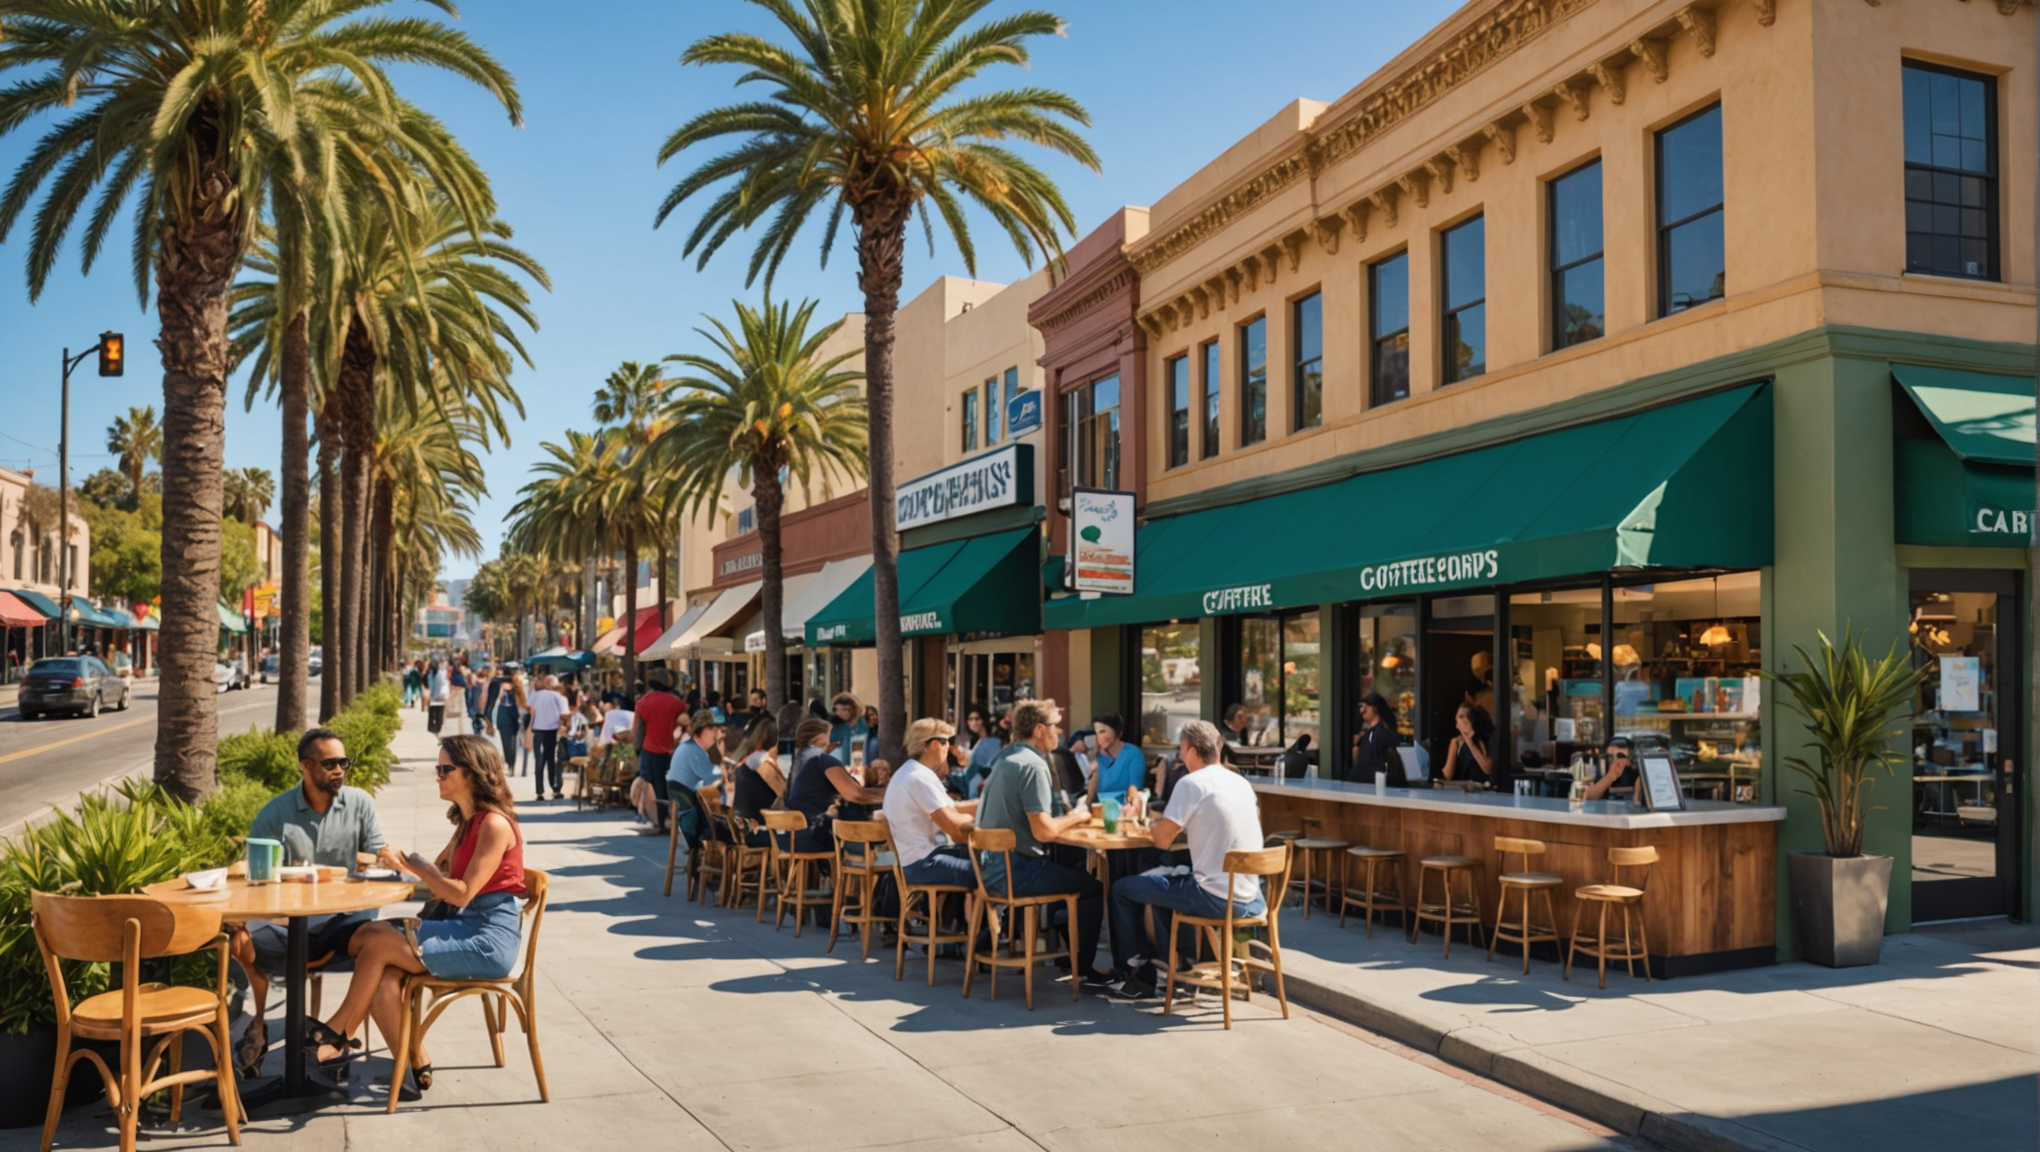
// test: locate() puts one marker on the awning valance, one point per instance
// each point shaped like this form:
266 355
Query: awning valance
648 629
16 614
662 647
85 615
1964 458
989 584
1687 485
231 620
714 618
39 602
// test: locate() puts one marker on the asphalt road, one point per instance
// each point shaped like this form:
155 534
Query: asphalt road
50 761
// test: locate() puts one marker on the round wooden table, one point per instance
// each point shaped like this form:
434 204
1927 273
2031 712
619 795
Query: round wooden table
296 903
1116 847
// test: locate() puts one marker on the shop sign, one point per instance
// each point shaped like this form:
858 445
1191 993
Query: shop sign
1452 568
731 565
922 622
1023 413
831 632
1101 535
1240 599
755 642
996 479
1989 521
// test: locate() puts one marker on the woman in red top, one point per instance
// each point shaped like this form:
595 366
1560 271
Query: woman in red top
475 883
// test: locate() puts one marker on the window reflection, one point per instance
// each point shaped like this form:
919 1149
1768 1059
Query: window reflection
1169 682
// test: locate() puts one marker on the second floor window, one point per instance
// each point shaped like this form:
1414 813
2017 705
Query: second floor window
1212 377
1094 430
1176 375
970 417
994 413
1577 310
747 522
1307 336
1951 214
1463 257
1254 381
1388 306
1692 264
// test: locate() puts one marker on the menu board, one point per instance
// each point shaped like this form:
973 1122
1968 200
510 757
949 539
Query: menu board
1961 684
1661 785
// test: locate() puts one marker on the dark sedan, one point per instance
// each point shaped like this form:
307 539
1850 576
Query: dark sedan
78 684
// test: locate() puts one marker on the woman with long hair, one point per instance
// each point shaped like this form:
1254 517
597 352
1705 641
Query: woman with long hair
1374 748
1471 755
757 783
468 931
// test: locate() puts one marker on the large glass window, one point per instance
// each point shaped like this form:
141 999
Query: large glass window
1254 381
1692 264
995 413
1279 681
1095 426
1577 310
1464 323
1176 378
970 416
1685 657
1209 354
1307 344
1170 682
1950 172
1388 305
1556 696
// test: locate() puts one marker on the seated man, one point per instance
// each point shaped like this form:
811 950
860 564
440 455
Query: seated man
1017 797
1215 809
696 764
929 828
321 821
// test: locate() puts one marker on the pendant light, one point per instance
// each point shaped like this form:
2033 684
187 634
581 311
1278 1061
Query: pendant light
1716 635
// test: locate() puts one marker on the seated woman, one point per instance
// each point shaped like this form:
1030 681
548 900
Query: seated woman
472 930
820 780
757 783
1374 749
1471 755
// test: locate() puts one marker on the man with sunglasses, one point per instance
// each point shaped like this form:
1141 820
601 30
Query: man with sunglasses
321 821
1621 772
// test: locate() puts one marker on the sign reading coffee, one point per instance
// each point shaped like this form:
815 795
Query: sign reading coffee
996 479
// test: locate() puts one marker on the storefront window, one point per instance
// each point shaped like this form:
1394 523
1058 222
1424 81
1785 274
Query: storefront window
1685 664
1169 682
1300 650
1095 427
1556 692
1279 677
1388 661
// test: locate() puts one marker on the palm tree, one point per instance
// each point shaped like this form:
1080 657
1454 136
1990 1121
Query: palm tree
246 493
486 596
769 408
191 110
628 405
134 440
866 113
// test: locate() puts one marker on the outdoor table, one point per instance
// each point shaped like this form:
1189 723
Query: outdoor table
296 902
1118 848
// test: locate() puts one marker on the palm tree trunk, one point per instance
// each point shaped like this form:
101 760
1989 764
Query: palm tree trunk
881 238
357 400
630 611
770 499
330 547
197 254
294 644
388 593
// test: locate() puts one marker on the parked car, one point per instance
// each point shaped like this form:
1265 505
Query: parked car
318 661
78 684
229 675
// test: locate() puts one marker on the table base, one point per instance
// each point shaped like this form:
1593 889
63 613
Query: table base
278 1097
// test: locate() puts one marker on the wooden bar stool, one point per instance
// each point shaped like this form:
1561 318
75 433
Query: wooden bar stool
790 868
1025 912
861 868
1372 897
1615 894
1221 974
930 918
1445 913
1526 885
1308 848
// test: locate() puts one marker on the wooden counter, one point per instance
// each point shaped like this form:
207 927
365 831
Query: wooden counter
1712 900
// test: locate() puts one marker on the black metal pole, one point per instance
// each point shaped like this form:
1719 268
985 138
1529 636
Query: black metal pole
64 516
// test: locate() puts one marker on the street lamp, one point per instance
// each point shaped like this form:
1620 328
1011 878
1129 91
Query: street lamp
112 353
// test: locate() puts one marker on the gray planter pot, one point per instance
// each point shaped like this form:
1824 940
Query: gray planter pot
1838 903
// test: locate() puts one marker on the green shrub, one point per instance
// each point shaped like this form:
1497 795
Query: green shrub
266 757
367 734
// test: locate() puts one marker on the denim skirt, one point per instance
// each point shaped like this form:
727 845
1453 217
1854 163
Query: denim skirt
477 943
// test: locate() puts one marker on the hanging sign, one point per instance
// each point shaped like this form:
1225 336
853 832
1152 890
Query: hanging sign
997 479
1023 413
1101 527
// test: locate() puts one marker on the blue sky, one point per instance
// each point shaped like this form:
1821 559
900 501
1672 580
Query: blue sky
1168 83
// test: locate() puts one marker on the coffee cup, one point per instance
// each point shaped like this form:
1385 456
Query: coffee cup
263 858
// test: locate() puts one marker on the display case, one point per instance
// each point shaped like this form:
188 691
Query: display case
1709 725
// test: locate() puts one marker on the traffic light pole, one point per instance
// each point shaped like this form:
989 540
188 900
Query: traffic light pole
111 349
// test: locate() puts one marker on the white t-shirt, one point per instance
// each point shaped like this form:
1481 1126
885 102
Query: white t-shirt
616 723
438 687
1218 813
911 799
547 706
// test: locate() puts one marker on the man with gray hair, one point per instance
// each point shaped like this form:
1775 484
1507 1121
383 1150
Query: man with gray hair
1214 809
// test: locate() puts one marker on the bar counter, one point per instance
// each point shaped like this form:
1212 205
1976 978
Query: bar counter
1712 899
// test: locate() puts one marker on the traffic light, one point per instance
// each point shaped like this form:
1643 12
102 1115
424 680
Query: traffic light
112 353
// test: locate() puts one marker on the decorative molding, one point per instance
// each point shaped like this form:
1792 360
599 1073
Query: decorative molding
1609 77
1263 186
1574 95
1652 53
1767 11
1292 246
1504 137
2007 7
1441 170
1417 186
1384 202
1104 290
1540 119
1466 158
1700 23
1356 213
1203 301
1326 230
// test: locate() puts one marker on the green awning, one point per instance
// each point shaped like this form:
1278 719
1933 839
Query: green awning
1683 486
231 620
979 584
1964 458
38 601
87 616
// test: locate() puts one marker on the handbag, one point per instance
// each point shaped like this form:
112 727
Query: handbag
524 740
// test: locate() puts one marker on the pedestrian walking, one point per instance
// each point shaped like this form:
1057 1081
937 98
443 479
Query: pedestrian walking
436 688
548 709
505 708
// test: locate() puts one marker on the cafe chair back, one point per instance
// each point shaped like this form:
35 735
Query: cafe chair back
746 866
715 840
1528 887
127 930
929 918
1233 969
795 871
1023 918
1629 878
863 854
514 992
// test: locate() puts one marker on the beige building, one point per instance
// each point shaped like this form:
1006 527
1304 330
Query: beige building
28 559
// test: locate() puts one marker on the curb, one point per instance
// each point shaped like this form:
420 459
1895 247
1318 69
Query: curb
1487 1053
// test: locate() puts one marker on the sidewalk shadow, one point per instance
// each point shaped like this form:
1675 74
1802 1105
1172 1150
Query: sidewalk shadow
1994 1116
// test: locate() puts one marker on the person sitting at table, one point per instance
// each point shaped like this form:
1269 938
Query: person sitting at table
321 821
1017 798
470 929
1120 765
1623 772
1232 724
930 830
1471 755
819 780
757 783
849 728
696 764
1215 809
1374 748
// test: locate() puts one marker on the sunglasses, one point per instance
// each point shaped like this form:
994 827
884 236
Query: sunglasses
445 770
343 763
1619 756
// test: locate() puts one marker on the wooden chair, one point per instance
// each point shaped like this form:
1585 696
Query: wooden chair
1221 975
1615 894
1025 913
791 869
714 844
499 998
1378 864
579 766
127 930
746 866
930 917
860 868
1445 912
1525 885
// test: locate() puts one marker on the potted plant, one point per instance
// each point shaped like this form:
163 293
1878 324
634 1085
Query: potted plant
1854 706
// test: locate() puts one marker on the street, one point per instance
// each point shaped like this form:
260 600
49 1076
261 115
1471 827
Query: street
51 760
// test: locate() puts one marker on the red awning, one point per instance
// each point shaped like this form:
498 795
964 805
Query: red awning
648 630
15 614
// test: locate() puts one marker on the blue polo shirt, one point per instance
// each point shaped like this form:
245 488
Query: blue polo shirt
1125 769
691 768
331 838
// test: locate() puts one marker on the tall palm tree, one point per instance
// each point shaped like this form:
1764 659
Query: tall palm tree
767 406
134 440
189 110
877 108
628 406
246 493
